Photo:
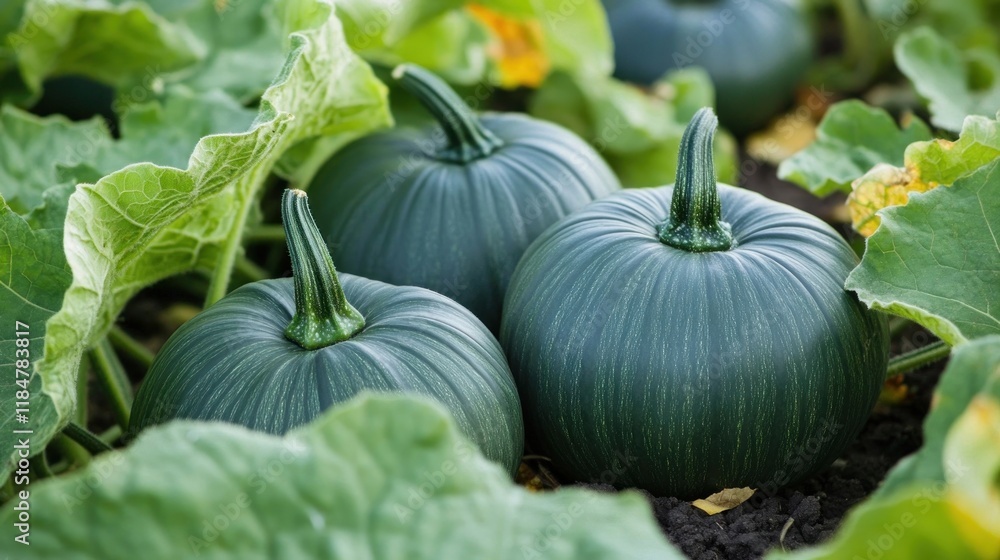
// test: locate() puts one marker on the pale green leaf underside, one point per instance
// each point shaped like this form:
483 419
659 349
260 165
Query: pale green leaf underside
242 43
851 139
936 260
945 162
942 74
115 43
147 221
31 147
380 477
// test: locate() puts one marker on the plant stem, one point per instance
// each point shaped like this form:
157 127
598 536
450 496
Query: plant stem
468 139
75 454
130 347
85 438
115 382
223 272
323 315
40 464
695 223
268 233
111 434
918 358
82 391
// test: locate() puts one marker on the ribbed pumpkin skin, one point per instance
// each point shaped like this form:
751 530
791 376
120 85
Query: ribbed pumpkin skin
233 363
390 210
746 367
755 61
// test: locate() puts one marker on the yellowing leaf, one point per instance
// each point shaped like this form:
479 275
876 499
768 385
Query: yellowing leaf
518 48
925 165
885 185
725 500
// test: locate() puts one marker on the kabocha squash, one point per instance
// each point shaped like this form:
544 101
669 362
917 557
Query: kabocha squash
273 354
691 338
756 51
452 207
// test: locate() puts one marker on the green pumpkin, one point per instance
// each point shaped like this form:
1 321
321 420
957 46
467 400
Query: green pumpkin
452 207
685 348
273 354
756 51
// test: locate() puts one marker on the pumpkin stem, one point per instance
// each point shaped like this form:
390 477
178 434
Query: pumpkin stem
322 314
468 139
694 224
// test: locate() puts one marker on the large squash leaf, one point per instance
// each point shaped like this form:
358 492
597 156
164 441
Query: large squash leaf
955 83
926 165
943 501
380 477
148 221
32 148
936 260
851 139
110 42
242 43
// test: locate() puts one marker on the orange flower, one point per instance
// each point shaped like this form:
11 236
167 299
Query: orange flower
518 47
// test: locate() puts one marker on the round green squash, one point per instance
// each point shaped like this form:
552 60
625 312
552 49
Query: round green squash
452 206
273 354
756 51
663 342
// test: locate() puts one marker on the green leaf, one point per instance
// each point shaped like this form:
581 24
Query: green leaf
10 16
381 476
851 139
453 45
943 162
31 148
956 84
242 42
926 165
943 501
936 260
146 222
370 25
164 131
637 132
33 280
446 38
114 44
